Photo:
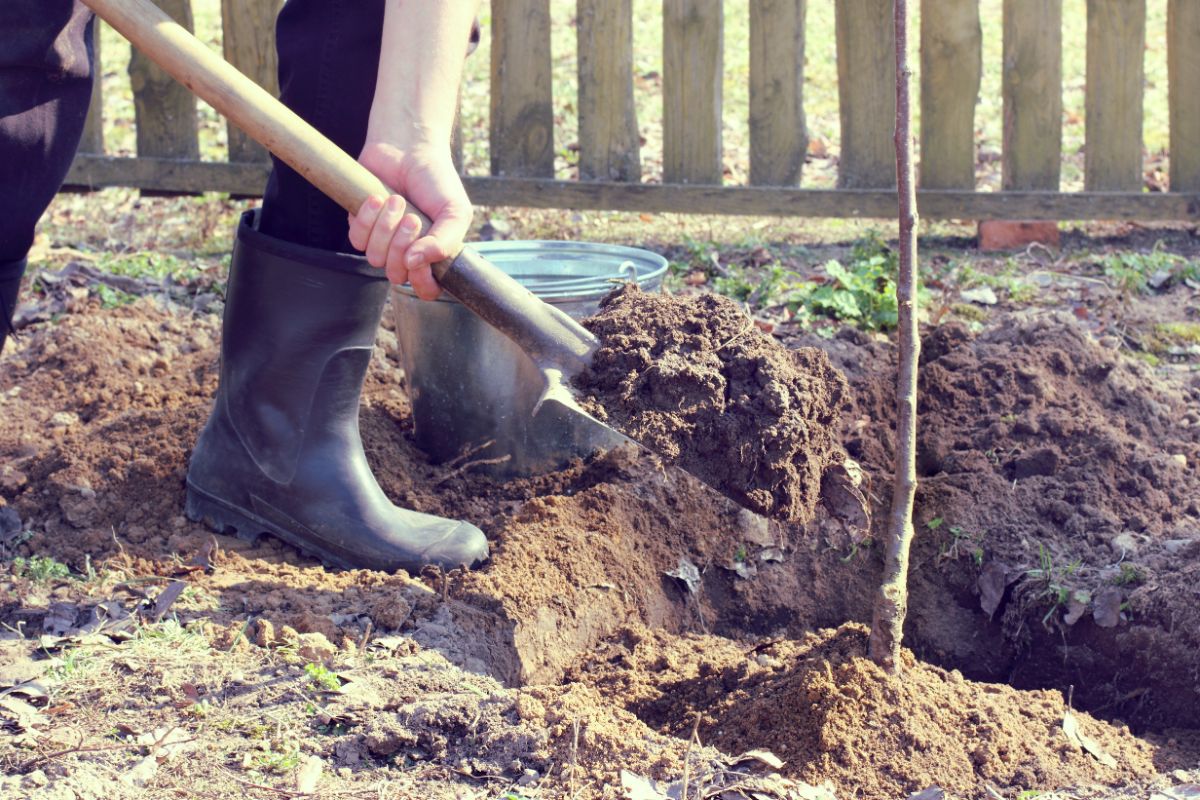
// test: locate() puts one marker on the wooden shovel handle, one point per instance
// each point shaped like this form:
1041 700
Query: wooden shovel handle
245 103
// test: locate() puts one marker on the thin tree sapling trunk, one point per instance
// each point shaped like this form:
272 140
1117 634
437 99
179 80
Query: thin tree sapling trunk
891 604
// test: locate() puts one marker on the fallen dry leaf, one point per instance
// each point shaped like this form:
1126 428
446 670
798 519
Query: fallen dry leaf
1106 607
1070 726
993 582
309 774
687 572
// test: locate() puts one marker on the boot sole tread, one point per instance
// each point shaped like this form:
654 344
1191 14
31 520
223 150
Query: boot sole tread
221 517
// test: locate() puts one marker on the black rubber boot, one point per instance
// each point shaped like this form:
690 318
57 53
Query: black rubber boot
281 452
10 287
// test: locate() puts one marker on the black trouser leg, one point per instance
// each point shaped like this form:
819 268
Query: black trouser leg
45 85
328 59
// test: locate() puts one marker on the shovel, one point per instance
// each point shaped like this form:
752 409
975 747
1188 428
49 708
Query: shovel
558 345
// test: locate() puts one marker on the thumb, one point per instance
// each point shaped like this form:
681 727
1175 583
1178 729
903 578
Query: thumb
443 240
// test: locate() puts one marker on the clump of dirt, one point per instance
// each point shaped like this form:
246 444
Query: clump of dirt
830 713
696 380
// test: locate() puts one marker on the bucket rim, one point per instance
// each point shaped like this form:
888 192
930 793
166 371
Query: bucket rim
570 288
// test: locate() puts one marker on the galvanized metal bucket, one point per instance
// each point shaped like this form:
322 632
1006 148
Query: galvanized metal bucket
473 391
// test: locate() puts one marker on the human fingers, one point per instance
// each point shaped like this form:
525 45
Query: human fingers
362 222
423 283
384 230
406 233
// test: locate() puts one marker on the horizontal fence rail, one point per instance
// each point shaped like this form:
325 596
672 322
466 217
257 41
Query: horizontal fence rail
612 173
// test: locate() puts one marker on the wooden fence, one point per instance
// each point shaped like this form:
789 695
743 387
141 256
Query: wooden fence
521 116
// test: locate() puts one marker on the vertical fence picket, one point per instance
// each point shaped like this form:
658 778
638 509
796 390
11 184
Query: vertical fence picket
1116 43
92 140
522 117
248 40
951 71
608 131
164 110
778 132
1183 67
866 60
1032 94
693 33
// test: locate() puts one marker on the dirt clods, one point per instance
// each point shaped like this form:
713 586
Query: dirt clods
696 380
830 713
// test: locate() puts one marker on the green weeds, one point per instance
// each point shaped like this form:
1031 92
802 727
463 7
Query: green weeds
961 542
861 291
144 264
1133 273
278 762
1053 580
40 569
1129 575
323 677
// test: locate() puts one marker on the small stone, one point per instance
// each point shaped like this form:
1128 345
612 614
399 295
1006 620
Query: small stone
12 479
64 419
35 779
237 676
529 776
1180 459
264 633
344 772
10 523
1174 546
315 648
754 528
983 295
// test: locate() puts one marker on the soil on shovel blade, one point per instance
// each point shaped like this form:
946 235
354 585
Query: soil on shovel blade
696 380
623 599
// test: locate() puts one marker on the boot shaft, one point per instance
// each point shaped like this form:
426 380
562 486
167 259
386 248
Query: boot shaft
10 287
299 328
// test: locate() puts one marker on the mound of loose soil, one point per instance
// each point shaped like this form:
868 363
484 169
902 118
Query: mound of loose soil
1058 510
696 380
830 713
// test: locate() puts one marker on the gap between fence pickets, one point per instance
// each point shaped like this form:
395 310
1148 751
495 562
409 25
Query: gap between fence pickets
248 180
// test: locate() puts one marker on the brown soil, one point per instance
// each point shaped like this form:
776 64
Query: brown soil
1059 499
696 380
830 713
98 412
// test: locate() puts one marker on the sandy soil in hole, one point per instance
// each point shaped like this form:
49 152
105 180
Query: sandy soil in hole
100 410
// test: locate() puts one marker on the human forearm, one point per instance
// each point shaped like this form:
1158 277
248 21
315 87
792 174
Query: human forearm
424 44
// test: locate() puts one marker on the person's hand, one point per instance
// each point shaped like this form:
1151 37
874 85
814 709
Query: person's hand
389 236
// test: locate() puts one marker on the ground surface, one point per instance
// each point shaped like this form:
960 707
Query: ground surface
626 606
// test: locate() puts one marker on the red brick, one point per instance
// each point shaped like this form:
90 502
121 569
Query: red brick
1004 234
